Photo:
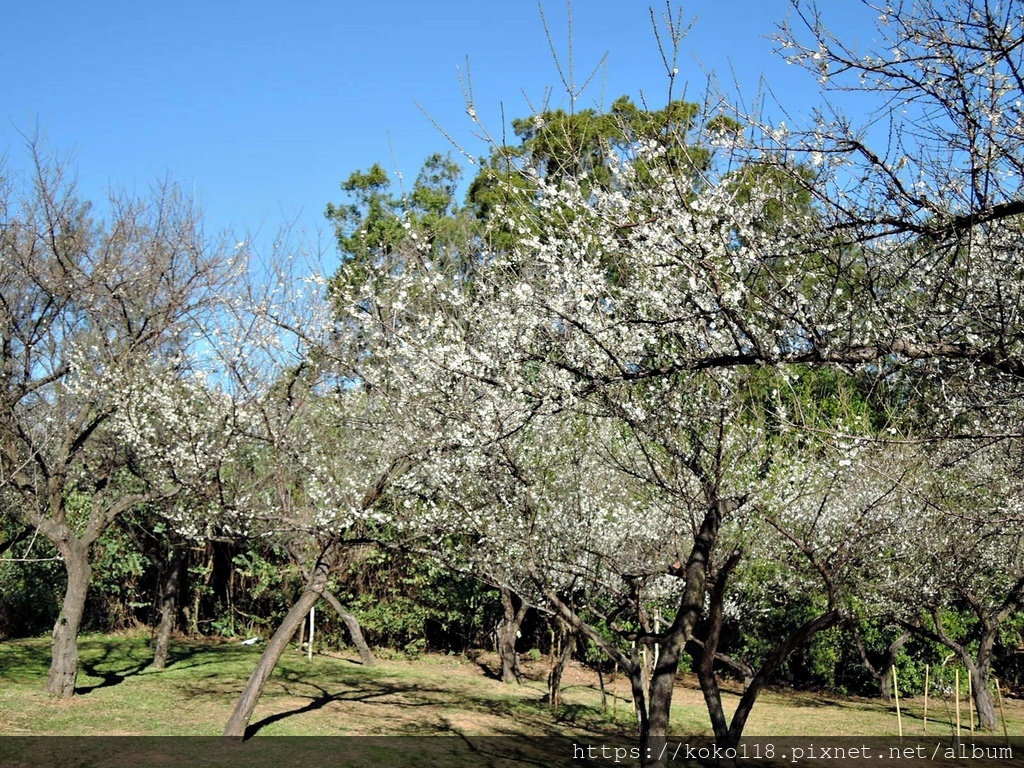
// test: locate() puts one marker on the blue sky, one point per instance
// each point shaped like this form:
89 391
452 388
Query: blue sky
263 108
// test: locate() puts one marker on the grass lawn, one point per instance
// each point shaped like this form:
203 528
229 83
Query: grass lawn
334 695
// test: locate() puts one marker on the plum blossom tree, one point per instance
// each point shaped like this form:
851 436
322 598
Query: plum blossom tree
918 216
325 441
568 477
830 523
645 293
924 216
967 560
92 311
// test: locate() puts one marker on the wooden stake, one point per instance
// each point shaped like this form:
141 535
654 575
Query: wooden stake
956 678
970 700
925 699
896 692
1002 715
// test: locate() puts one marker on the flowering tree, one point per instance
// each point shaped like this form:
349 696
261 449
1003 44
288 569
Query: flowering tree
93 312
579 484
627 293
922 232
325 439
963 579
829 529
915 232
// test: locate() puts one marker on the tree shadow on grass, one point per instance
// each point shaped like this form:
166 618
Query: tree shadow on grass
372 691
109 677
112 660
186 657
532 713
23 660
121 659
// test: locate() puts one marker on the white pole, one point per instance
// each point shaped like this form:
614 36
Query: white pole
309 652
657 629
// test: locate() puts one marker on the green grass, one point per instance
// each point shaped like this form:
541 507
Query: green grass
119 694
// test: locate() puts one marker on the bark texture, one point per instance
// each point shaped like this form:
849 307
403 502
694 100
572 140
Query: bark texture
168 607
64 663
508 633
558 668
354 630
239 721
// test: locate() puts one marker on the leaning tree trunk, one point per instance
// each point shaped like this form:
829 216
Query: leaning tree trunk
168 607
508 632
771 665
239 720
354 630
64 664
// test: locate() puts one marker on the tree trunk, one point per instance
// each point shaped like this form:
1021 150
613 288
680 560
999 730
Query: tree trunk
691 607
508 633
64 664
709 651
168 607
639 692
653 720
767 670
978 667
979 672
354 630
198 593
558 668
882 673
239 720
739 667
984 705
885 677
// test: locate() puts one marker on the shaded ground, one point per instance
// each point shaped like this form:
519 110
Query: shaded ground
333 694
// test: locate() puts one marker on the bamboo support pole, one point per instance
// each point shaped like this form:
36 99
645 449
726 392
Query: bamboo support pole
970 701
